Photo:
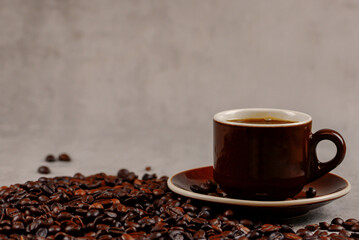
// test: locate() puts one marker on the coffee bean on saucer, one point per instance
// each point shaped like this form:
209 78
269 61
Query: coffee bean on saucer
311 192
64 157
50 158
197 189
43 170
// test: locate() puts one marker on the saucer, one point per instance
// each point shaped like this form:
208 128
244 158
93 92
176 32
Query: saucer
329 187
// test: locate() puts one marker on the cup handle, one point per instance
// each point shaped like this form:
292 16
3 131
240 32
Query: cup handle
316 169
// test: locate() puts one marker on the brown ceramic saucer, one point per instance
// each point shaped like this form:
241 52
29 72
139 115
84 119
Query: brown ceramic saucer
329 187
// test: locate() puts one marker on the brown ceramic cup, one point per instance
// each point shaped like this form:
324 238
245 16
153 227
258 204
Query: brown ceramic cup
269 161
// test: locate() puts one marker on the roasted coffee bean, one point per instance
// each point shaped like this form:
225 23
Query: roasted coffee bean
53 229
246 222
348 225
344 233
303 232
276 236
312 227
147 176
267 228
355 228
324 225
335 228
200 234
338 221
43 170
41 232
311 192
64 157
352 220
286 229
158 192
197 189
50 158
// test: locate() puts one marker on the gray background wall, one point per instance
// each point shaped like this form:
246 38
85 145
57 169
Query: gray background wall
136 83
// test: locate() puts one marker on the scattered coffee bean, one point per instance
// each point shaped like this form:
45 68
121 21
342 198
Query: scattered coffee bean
209 187
148 168
43 170
64 157
50 158
311 192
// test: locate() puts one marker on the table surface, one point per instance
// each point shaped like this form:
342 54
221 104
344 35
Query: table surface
165 150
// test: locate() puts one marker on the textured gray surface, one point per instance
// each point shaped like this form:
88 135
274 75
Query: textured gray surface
136 83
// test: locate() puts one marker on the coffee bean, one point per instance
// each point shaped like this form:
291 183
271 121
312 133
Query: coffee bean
335 228
64 157
337 221
292 236
43 170
324 225
355 228
41 232
344 233
312 227
50 158
311 192
148 168
286 229
53 229
197 189
348 225
303 232
276 236
352 220
266 228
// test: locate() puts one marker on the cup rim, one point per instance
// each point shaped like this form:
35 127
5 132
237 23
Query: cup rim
219 117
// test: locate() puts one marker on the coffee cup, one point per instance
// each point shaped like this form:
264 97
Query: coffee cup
269 154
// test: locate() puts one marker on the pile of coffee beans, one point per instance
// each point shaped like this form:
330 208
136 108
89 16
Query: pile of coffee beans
126 207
